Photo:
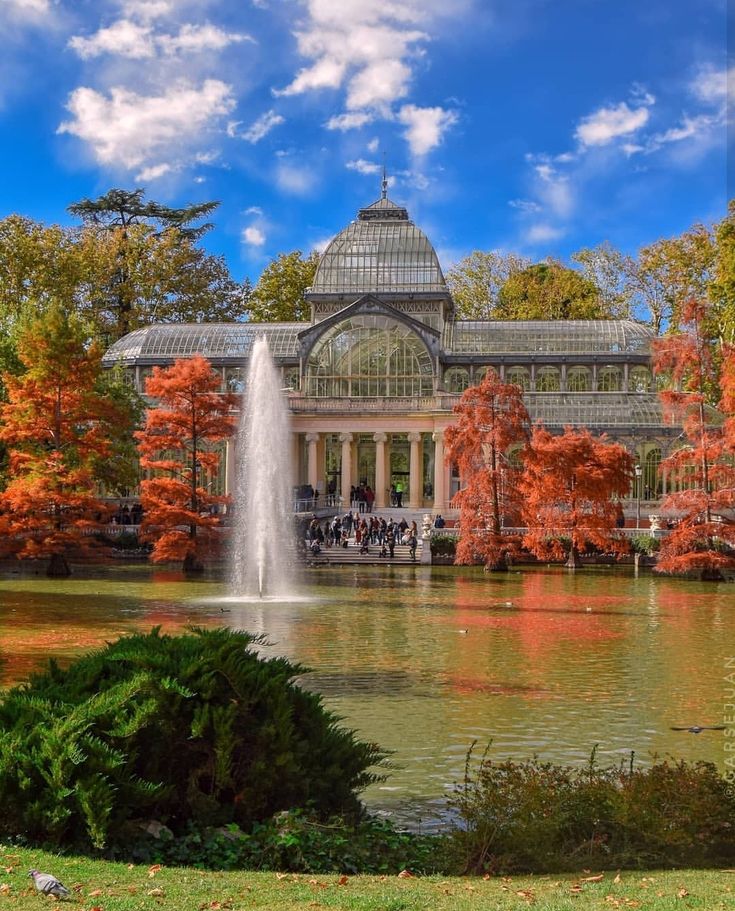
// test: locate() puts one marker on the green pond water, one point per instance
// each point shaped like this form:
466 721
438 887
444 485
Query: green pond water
426 660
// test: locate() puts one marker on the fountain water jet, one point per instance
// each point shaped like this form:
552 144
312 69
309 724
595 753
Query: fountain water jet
263 543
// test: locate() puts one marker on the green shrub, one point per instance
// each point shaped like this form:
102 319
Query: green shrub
534 816
184 729
443 545
644 544
297 842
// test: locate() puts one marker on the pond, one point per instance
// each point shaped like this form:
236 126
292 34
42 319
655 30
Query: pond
426 660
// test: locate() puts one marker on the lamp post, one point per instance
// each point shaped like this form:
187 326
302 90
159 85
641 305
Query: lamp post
638 475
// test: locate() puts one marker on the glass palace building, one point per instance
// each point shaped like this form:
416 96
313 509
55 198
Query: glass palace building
373 376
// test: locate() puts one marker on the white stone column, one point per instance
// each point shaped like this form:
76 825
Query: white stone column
380 485
439 471
313 464
230 468
415 479
346 441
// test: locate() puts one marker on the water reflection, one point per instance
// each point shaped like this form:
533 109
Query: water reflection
425 661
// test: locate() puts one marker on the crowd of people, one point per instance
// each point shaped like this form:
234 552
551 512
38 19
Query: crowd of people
359 530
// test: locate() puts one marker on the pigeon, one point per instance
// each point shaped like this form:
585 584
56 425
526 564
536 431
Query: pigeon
698 728
47 884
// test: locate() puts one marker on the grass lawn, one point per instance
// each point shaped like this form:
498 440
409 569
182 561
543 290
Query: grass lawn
101 886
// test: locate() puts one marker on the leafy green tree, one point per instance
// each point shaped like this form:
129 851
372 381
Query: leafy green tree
722 286
476 280
609 270
550 290
279 295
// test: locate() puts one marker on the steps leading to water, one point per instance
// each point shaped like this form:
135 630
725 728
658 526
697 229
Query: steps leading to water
342 556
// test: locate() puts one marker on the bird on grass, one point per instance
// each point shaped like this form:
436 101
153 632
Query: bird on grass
698 728
47 884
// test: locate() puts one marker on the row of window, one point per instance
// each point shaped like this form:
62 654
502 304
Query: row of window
551 379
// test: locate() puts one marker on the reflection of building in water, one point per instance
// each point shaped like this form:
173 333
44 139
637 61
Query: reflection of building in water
373 377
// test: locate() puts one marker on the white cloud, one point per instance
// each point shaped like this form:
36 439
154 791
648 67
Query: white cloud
554 190
123 38
146 10
261 127
524 205
349 121
543 233
710 85
608 123
295 179
128 129
363 167
27 8
153 172
253 210
126 38
373 145
253 236
425 127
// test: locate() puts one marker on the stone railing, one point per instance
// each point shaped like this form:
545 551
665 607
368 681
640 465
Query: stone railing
299 404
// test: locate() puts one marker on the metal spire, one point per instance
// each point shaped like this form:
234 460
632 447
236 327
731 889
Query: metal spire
384 190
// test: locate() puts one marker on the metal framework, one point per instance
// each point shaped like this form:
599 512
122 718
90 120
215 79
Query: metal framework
546 337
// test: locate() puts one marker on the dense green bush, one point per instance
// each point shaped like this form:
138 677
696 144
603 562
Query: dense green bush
443 545
296 842
186 729
644 544
536 817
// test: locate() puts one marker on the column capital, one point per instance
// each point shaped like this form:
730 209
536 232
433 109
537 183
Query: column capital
312 437
345 437
414 437
380 437
438 436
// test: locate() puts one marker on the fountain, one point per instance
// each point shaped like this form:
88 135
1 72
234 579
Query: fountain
262 561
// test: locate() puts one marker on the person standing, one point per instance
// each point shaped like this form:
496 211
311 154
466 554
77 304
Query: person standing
390 540
399 494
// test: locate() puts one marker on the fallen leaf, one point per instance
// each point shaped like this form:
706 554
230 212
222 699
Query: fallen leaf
342 881
4 888
682 893
405 874
281 875
486 877
130 866
594 879
575 888
10 869
156 893
96 908
528 894
153 870
95 893
617 878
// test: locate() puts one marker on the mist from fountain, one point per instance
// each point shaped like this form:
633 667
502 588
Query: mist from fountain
263 543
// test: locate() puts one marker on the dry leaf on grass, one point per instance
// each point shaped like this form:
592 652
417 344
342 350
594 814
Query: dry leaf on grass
405 874
156 893
682 893
95 892
593 879
153 870
343 880
4 888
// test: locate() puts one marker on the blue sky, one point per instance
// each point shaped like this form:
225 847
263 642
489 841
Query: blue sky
539 126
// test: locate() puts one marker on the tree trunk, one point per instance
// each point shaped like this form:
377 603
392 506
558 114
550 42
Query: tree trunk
192 565
57 567
574 561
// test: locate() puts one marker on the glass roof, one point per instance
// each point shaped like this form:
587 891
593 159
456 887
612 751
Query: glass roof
214 340
546 336
380 252
594 409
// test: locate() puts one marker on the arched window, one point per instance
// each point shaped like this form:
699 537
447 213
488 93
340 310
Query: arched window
519 376
548 379
480 374
651 478
456 379
291 378
235 379
369 356
639 380
609 379
578 379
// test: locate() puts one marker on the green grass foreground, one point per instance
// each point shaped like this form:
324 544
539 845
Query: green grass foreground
105 886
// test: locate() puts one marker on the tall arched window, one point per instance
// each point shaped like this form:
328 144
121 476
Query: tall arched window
609 379
369 356
639 380
548 379
578 379
456 379
651 478
519 376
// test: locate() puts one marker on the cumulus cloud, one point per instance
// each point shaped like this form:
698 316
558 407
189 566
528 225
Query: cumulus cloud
153 172
127 129
363 167
296 179
543 233
425 127
253 236
370 50
146 10
126 38
372 146
710 85
27 8
261 127
608 123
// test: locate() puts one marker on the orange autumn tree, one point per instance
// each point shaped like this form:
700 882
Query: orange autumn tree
569 486
491 419
59 426
694 364
178 445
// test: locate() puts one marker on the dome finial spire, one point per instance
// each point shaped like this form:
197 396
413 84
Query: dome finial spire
384 185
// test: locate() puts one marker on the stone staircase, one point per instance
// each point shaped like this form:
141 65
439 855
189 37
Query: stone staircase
350 555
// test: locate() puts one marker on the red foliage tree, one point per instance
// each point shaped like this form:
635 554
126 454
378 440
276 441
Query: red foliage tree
491 419
569 484
57 424
691 360
178 444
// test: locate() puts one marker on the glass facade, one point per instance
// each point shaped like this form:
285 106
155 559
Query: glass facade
369 356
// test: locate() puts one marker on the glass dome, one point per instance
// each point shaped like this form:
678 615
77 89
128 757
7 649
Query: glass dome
369 356
381 252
